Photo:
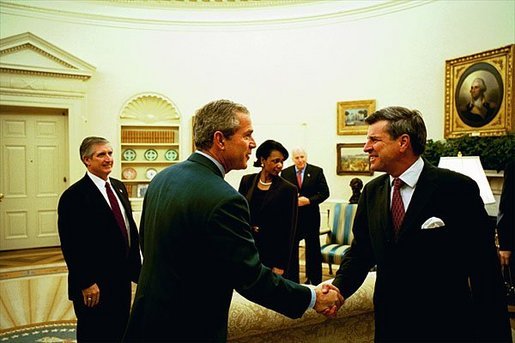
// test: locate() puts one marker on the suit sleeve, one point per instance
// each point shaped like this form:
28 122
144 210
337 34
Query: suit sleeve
73 233
236 251
359 258
322 190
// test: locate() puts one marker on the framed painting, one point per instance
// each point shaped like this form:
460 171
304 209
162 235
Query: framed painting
351 116
141 190
351 160
479 94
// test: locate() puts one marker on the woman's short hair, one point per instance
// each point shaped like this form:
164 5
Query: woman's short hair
266 148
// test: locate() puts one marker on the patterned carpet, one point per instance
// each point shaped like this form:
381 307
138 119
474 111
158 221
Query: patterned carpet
49 332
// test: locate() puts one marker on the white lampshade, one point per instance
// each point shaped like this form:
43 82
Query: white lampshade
470 166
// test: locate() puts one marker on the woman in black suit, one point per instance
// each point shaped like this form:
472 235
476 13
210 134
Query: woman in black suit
273 207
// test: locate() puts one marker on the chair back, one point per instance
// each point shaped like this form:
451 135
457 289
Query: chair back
343 218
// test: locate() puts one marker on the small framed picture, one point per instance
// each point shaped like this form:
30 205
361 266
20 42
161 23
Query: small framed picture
351 116
352 160
141 190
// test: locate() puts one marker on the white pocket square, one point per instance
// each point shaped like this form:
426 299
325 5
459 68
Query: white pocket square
433 223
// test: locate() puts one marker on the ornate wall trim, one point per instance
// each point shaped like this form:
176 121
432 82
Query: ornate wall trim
29 54
149 108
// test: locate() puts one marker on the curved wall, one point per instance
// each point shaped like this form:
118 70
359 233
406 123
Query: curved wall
290 73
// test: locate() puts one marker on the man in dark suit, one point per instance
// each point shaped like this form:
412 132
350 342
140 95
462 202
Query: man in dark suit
313 190
197 243
438 277
100 244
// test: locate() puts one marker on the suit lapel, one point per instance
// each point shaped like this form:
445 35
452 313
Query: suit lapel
120 195
383 219
421 197
308 174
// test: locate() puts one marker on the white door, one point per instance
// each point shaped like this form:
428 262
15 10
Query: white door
33 175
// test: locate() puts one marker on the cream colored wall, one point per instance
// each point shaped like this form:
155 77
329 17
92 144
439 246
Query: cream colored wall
290 77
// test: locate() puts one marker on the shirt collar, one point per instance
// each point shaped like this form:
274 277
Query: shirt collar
99 182
218 164
303 169
411 175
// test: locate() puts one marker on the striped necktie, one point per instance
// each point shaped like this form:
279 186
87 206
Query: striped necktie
397 205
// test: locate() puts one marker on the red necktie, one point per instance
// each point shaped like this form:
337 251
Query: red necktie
397 205
117 212
299 178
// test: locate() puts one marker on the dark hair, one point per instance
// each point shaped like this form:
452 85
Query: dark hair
403 121
266 148
86 147
219 115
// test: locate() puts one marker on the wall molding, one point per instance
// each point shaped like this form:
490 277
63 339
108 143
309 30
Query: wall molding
203 15
149 108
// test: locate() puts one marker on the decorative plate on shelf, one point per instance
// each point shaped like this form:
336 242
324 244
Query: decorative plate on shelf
129 173
171 155
129 155
150 173
150 155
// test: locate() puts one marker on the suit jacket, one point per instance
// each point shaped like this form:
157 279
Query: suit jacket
314 187
506 218
276 218
197 248
432 284
93 246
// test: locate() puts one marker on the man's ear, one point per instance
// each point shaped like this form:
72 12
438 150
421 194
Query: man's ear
219 140
405 142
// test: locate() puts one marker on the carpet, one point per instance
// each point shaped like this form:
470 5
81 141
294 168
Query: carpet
42 332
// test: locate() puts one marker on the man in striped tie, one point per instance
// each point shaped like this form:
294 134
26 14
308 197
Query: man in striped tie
427 230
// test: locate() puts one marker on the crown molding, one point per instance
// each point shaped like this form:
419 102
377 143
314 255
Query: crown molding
208 14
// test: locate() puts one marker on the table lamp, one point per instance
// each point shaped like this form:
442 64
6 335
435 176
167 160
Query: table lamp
470 166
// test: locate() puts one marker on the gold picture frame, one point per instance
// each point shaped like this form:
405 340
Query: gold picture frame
479 93
352 160
351 116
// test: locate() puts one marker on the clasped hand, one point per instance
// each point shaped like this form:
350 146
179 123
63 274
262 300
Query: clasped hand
329 300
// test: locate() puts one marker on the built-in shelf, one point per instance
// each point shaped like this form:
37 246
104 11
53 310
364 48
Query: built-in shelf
145 151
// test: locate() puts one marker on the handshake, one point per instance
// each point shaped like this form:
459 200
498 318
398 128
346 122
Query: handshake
329 300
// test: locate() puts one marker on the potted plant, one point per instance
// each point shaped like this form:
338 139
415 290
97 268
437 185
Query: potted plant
494 152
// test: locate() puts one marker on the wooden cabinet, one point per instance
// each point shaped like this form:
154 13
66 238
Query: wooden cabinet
145 151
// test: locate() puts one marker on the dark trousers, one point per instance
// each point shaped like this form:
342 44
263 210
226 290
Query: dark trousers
105 322
292 273
313 257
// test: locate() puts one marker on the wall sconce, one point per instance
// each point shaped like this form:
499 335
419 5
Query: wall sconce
472 167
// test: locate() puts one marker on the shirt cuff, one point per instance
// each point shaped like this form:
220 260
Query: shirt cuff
313 299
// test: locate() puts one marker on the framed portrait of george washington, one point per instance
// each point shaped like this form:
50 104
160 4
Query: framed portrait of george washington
479 94
351 116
